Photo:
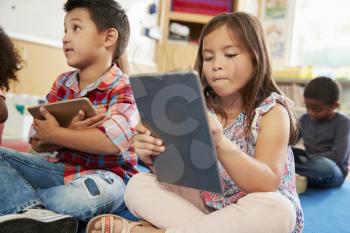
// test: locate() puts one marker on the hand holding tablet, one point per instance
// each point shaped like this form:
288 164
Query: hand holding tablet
172 107
65 111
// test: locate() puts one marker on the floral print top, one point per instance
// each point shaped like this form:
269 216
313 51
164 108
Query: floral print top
247 143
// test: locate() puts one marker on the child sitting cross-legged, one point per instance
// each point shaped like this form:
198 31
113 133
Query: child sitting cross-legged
95 156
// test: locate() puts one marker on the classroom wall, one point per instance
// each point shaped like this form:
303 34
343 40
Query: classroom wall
42 22
36 28
42 65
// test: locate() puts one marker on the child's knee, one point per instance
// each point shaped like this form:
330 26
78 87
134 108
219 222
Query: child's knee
86 196
137 186
98 188
329 170
112 189
278 213
285 212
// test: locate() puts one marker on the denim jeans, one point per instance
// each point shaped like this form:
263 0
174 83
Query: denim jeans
320 172
28 180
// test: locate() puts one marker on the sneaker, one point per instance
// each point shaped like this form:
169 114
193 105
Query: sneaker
38 221
300 183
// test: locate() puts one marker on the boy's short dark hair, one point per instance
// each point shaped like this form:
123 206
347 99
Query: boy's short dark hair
106 14
324 89
10 61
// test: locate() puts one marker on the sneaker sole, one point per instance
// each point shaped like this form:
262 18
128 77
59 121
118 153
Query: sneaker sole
28 225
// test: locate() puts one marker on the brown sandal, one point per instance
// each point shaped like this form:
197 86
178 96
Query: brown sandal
107 223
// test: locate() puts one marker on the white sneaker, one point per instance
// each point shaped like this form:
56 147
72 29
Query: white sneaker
38 221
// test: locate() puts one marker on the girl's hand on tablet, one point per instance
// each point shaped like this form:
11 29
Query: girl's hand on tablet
146 146
215 128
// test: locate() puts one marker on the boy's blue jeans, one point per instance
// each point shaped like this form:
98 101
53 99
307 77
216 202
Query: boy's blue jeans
28 180
321 172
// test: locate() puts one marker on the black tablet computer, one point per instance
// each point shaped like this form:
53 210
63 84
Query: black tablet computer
172 106
64 111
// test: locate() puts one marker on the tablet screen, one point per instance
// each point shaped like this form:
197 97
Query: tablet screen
171 105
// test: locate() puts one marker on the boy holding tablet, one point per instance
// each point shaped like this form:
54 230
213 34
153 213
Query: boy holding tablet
95 155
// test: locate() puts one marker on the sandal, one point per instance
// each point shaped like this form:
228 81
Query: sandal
107 223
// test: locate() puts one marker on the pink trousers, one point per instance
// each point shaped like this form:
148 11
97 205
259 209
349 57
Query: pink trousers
179 209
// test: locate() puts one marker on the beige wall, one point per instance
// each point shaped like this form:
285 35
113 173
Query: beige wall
42 65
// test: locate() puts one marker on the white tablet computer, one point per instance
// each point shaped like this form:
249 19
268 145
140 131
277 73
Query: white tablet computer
172 106
64 111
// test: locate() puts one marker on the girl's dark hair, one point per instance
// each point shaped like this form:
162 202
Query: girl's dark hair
248 31
9 61
324 89
106 14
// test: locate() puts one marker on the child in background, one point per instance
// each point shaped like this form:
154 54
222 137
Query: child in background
252 126
9 65
326 136
96 159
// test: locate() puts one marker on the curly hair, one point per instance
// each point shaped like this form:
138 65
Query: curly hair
9 61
